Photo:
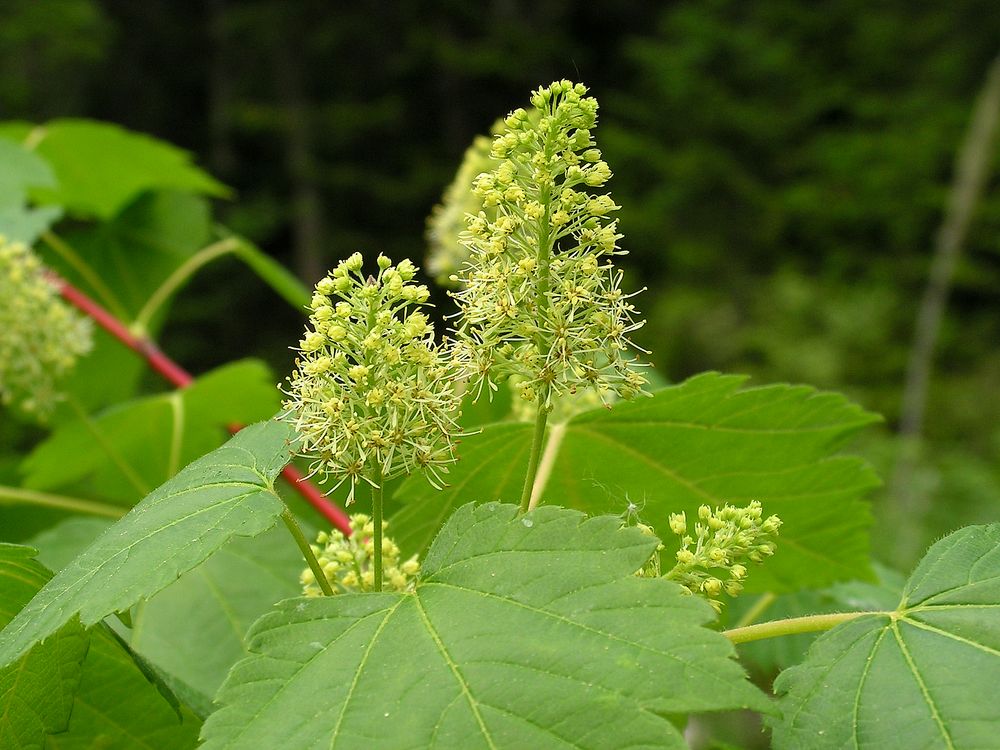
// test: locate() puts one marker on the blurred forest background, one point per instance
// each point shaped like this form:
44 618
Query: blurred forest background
784 168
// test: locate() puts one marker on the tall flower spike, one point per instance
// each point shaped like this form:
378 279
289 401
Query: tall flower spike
40 336
372 396
540 298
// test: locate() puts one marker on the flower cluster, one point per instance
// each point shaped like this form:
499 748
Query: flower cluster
372 396
347 561
725 540
40 336
446 252
540 298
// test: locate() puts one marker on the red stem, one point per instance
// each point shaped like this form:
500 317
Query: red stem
181 378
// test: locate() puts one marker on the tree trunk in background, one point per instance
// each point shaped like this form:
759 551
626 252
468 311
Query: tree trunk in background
303 169
971 172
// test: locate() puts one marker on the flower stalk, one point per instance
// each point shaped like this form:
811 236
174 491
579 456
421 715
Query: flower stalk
793 626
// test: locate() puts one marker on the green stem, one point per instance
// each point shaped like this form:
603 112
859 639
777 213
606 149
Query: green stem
758 608
272 273
793 626
266 268
87 273
178 278
377 524
542 304
63 502
307 553
536 449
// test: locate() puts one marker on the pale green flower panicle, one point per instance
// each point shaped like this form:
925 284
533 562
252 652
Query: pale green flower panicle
540 298
372 395
446 252
41 337
348 562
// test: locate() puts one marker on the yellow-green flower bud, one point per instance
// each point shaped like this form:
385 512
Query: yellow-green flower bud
685 557
712 586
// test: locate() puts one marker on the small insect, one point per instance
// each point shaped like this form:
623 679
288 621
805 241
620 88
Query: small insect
632 510
630 516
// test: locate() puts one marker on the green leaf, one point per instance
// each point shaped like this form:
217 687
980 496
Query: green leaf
36 692
101 167
118 707
522 632
59 544
195 629
128 258
16 130
26 224
225 494
151 438
924 675
23 169
137 250
703 441
72 697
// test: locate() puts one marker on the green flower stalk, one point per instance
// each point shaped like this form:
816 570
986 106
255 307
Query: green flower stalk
540 298
372 395
348 562
725 542
40 336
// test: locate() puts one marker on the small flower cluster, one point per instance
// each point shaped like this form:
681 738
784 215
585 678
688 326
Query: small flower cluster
540 298
372 395
724 541
347 561
40 336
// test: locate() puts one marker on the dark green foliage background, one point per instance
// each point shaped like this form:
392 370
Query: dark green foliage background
782 167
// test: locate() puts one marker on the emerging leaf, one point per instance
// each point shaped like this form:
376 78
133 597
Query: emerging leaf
523 632
922 676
